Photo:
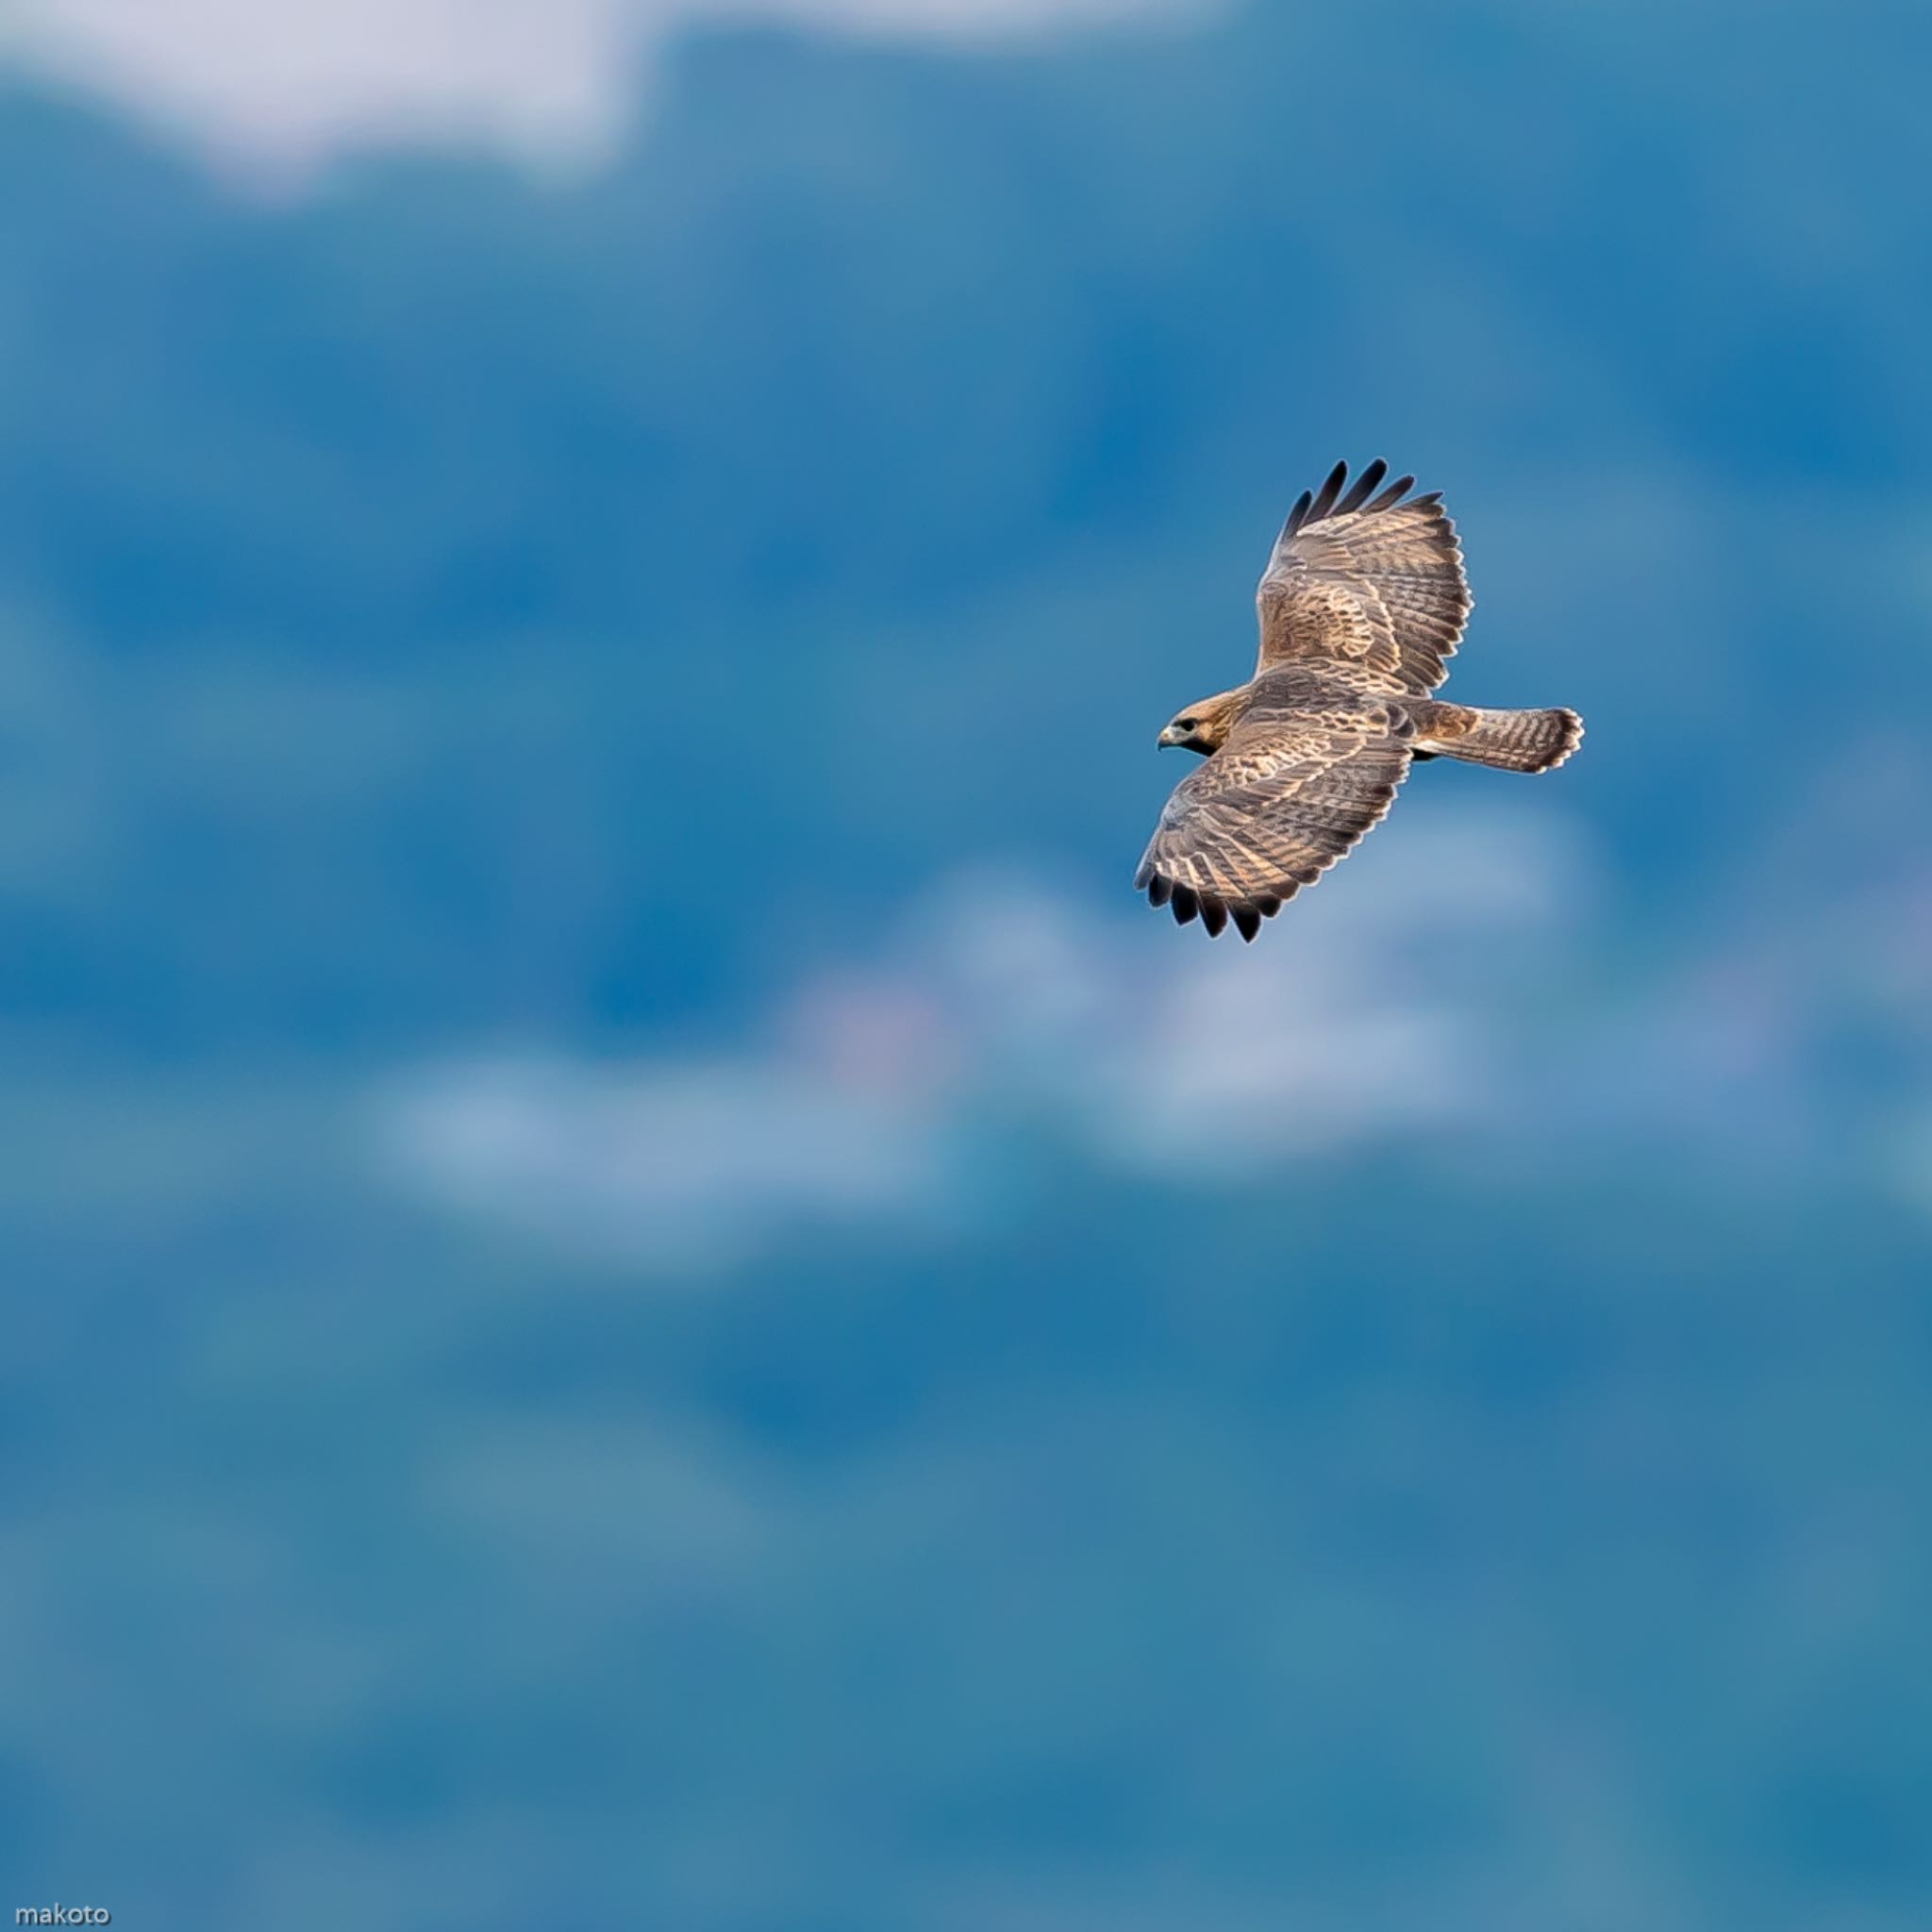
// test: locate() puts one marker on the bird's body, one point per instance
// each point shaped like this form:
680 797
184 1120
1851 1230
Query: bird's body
1363 601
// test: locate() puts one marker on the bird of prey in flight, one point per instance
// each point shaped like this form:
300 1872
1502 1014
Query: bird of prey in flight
1362 603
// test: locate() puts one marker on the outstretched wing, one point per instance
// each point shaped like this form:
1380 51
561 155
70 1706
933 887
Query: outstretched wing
1368 581
1273 809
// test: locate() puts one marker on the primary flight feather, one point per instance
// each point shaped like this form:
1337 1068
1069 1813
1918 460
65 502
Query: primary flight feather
1362 603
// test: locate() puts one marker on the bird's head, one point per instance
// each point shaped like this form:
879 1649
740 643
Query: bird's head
1202 727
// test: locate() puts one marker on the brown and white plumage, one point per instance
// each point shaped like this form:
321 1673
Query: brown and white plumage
1362 603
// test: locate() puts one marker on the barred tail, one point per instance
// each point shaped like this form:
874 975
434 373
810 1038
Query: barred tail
1512 740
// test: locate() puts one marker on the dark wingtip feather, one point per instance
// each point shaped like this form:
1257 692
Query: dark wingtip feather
1248 922
1392 495
1366 482
1299 514
1430 501
1185 905
1142 878
1160 889
1267 904
1330 490
1213 915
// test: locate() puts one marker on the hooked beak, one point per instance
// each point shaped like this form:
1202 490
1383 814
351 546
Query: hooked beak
1169 738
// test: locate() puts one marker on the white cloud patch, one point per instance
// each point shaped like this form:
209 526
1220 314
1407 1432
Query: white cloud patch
1390 1003
283 83
688 1166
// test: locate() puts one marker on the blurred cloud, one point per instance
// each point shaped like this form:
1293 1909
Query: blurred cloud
1390 1003
286 82
690 1166
1426 994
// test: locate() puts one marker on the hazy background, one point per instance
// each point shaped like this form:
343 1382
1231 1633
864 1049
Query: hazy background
631 1283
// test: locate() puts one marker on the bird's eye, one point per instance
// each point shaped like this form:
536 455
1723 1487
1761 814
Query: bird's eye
1186 724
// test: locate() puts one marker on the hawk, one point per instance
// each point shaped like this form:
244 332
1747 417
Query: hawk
1362 605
